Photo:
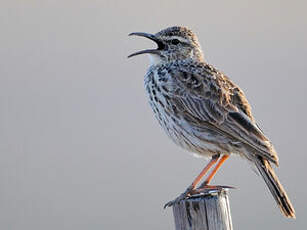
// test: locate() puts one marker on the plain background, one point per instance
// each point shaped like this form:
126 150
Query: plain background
80 148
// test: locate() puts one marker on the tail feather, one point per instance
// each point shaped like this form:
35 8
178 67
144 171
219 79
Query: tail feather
275 187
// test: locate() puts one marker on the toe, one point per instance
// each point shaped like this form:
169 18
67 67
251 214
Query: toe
183 196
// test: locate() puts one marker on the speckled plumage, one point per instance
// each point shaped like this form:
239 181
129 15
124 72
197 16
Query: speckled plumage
202 110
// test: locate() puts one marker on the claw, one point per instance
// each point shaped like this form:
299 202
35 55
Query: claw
192 192
213 187
182 196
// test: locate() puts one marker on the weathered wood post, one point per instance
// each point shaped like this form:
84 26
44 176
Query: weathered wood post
205 211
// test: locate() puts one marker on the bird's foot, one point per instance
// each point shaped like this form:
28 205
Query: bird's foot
186 194
207 189
195 192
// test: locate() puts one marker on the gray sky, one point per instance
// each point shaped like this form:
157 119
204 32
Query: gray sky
80 148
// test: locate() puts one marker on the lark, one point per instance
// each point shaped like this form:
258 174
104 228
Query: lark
204 112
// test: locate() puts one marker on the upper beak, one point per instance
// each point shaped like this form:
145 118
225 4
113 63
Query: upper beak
151 37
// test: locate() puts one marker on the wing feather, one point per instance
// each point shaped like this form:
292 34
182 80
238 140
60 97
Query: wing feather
213 100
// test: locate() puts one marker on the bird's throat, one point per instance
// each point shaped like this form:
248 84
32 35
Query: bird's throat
154 59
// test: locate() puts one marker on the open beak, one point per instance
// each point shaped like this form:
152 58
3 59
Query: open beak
148 51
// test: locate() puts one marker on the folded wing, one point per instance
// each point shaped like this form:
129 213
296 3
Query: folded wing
211 99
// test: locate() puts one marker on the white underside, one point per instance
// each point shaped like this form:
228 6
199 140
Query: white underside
154 59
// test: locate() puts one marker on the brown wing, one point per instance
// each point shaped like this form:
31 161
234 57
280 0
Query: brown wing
238 98
213 100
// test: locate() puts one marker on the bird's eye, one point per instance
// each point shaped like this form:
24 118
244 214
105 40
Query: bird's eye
175 41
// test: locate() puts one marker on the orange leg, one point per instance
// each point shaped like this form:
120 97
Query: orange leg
213 160
211 175
192 187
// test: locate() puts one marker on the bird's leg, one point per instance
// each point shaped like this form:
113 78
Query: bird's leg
213 160
187 192
205 185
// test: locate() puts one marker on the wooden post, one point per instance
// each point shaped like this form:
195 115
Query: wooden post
205 211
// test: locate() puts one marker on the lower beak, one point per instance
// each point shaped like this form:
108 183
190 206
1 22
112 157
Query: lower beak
150 51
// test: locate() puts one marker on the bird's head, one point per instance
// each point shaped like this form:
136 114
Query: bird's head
173 43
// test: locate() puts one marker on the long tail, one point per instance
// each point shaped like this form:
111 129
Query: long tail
275 187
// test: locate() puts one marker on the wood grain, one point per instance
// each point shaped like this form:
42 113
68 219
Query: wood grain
208 211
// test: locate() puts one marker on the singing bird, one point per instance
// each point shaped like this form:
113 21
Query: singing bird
204 112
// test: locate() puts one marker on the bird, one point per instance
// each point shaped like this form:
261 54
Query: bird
204 112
